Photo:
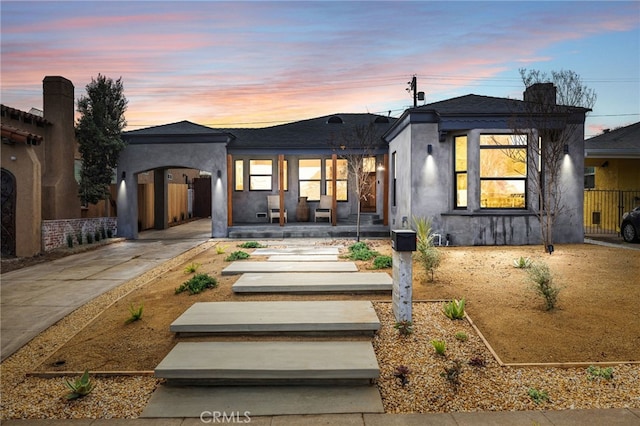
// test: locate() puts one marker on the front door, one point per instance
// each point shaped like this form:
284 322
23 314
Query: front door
8 214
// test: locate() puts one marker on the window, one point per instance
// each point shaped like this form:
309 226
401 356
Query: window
460 171
342 176
589 177
239 170
393 178
285 175
260 175
310 178
503 171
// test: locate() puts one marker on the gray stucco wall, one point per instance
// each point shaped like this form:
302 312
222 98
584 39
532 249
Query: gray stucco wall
425 187
137 158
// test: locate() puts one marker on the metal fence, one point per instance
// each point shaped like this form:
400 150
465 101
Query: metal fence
603 209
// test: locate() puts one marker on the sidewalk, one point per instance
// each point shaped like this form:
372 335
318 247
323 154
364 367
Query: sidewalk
609 417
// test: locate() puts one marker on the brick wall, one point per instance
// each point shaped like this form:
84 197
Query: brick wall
54 232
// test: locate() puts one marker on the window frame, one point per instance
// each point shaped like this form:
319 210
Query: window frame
458 173
328 179
261 175
318 180
524 179
238 184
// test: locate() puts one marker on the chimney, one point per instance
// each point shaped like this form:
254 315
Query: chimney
541 93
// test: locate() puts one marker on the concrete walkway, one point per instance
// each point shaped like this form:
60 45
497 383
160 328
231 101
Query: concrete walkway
34 298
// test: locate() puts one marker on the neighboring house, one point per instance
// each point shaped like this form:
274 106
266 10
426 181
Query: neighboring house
439 161
38 181
612 178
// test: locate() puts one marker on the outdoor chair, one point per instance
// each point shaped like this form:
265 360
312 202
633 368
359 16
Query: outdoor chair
273 208
324 208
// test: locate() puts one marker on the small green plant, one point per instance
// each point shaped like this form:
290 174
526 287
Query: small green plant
251 244
600 372
426 253
439 346
402 373
237 255
89 238
109 233
454 309
220 249
103 233
197 284
135 313
538 396
452 373
361 251
382 262
96 236
522 262
79 238
542 281
80 387
191 268
462 336
69 241
404 327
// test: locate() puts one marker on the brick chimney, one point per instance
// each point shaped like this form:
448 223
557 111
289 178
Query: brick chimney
541 93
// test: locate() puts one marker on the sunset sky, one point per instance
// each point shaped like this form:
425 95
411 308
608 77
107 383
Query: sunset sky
257 64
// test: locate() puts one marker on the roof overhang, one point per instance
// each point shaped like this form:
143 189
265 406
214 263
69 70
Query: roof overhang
612 153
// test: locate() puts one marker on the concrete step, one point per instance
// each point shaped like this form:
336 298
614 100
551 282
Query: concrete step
243 267
294 282
278 317
303 258
237 402
305 251
272 362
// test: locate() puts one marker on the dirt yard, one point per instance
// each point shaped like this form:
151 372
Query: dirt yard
595 320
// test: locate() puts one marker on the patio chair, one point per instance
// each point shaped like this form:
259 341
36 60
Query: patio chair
324 208
273 208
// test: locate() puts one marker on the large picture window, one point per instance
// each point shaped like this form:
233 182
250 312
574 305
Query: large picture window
342 176
260 175
310 178
503 171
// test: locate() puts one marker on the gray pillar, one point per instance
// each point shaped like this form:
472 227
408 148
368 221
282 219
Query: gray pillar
403 243
161 199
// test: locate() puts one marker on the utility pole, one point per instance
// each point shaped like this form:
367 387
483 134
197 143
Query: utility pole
413 89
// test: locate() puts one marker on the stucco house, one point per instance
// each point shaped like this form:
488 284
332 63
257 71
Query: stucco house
453 161
612 178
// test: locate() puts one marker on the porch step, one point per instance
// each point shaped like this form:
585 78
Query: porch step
254 401
302 251
277 317
306 230
317 282
303 258
243 267
265 363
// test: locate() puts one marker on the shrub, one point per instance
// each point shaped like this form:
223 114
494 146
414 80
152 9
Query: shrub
538 396
402 371
543 285
251 244
462 336
522 263
109 233
89 238
237 255
426 253
382 262
96 236
80 387
477 362
361 251
69 241
197 284
404 327
136 313
454 309
103 233
79 238
440 346
600 373
191 268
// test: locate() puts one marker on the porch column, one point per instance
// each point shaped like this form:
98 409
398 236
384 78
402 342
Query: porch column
281 187
385 189
334 189
230 170
161 199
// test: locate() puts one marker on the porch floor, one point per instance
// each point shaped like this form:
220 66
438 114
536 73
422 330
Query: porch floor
305 230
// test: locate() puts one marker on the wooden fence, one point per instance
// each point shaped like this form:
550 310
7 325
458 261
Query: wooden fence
178 196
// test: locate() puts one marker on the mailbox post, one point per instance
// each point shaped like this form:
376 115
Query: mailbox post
403 243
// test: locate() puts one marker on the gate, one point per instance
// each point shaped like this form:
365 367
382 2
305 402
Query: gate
603 209
202 197
8 237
